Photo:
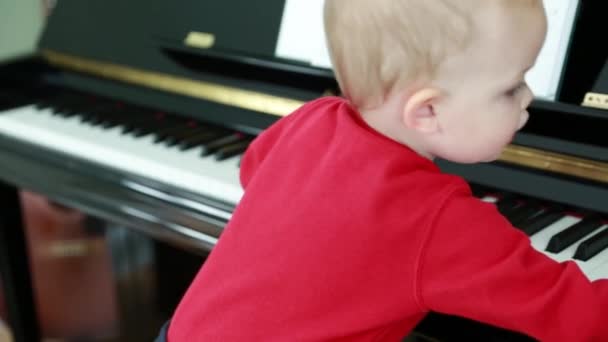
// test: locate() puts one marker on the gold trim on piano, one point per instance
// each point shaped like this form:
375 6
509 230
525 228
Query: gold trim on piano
201 40
245 99
555 162
280 106
596 100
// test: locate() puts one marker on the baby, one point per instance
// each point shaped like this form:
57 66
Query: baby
349 232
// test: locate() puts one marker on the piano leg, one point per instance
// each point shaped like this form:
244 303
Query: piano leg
15 267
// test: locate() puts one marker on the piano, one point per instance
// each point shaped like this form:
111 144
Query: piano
138 112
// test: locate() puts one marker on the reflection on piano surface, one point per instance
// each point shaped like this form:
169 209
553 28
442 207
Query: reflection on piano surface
138 129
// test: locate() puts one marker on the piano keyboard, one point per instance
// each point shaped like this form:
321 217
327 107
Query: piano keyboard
183 153
560 234
204 159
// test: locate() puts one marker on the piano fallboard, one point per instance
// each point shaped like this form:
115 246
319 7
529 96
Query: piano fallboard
177 216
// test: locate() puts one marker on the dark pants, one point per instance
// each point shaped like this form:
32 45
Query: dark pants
162 336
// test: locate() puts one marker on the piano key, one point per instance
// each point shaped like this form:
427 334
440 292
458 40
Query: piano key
489 199
520 208
479 190
596 267
235 149
201 139
211 147
591 268
540 221
572 234
179 137
163 133
540 240
592 246
526 213
139 122
203 175
544 222
507 202
182 169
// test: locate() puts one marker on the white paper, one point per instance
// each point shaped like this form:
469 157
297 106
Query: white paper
302 38
544 78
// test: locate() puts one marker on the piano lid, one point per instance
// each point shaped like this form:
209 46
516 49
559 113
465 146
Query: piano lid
216 51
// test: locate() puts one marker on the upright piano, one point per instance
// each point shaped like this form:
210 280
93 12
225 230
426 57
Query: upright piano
138 112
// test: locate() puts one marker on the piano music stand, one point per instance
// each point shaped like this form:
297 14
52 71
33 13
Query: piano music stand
15 267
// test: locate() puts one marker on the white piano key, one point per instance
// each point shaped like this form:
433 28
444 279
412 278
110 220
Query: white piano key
139 156
489 199
601 271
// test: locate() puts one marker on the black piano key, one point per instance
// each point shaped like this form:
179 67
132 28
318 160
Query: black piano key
517 212
42 104
164 133
109 123
479 191
525 209
541 221
140 127
507 204
45 99
212 146
14 101
140 121
524 214
574 233
128 125
142 131
592 246
88 118
200 139
67 103
89 103
192 128
232 150
179 137
90 115
173 127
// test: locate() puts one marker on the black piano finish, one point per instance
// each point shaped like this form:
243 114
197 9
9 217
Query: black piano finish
148 35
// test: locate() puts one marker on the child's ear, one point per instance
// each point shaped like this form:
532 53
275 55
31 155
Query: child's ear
418 113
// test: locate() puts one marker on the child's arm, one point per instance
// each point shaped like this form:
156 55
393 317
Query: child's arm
476 265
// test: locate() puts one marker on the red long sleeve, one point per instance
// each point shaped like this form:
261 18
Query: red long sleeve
345 235
478 266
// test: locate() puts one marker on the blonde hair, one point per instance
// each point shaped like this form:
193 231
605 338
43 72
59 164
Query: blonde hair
378 46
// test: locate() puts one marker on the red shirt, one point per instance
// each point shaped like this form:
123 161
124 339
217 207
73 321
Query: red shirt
345 235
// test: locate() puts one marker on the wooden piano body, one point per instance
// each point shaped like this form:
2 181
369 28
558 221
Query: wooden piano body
120 113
